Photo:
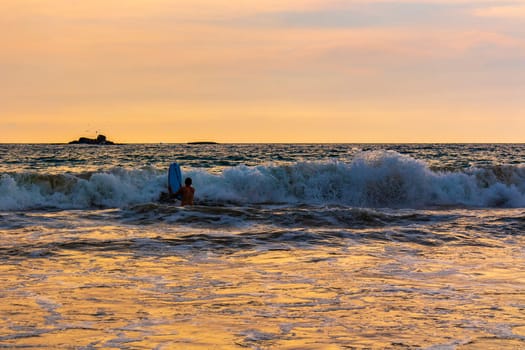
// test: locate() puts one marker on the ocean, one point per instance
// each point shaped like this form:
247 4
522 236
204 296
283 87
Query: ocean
288 246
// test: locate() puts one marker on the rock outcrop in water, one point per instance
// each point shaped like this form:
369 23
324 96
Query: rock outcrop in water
100 140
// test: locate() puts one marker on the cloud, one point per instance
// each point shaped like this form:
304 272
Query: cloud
201 10
361 15
509 11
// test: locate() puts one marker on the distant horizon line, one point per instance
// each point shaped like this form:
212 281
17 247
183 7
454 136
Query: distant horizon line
207 143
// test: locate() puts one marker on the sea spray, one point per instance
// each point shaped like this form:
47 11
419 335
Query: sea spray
116 188
370 179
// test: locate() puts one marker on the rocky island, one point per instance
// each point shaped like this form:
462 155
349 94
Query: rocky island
100 140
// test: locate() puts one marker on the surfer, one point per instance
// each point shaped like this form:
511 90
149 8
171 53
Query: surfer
187 192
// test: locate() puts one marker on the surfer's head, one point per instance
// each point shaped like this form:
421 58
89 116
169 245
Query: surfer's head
187 182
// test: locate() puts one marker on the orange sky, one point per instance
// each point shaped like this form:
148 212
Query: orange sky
272 71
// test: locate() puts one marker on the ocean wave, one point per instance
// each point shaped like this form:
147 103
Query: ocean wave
372 179
111 189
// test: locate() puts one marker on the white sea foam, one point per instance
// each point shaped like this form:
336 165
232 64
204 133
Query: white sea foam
371 179
116 188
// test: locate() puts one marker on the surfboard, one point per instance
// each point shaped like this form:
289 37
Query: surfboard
175 178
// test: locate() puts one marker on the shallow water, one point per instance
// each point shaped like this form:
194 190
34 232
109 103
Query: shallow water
261 274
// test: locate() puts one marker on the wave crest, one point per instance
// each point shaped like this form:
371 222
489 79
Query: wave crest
371 179
116 188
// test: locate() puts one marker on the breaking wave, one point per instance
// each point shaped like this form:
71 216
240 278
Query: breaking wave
371 179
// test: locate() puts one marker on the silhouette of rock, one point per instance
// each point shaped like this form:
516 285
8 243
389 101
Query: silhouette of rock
202 143
100 140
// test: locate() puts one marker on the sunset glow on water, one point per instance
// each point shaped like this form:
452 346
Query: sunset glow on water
91 259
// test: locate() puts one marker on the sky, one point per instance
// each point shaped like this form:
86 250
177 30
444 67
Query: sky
149 71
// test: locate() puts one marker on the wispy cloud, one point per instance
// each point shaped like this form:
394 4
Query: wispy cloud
361 15
507 11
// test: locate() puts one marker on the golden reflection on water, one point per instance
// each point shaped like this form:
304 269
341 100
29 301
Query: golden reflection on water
376 295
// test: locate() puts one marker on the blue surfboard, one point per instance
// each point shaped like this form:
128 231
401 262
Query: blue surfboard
175 178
